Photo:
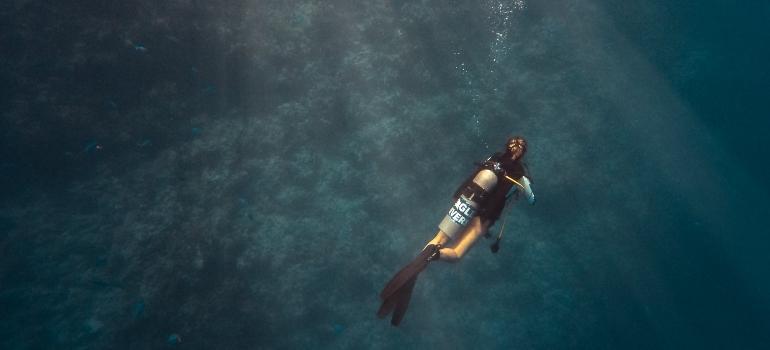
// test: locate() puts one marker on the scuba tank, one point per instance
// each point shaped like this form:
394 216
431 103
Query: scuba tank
470 198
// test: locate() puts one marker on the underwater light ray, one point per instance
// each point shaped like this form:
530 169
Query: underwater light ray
674 146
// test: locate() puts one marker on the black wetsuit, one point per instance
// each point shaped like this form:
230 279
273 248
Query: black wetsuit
494 202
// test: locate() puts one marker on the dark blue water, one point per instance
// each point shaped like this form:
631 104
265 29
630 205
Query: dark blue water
249 174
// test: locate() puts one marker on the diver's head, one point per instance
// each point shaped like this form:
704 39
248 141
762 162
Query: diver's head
516 147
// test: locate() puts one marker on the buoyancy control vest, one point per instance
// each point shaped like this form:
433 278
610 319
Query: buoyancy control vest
488 201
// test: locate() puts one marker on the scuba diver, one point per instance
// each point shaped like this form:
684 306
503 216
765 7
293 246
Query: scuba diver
478 204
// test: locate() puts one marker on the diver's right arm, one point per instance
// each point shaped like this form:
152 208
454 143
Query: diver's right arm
527 188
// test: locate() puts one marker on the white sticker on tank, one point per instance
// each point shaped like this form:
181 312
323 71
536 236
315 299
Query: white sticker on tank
462 211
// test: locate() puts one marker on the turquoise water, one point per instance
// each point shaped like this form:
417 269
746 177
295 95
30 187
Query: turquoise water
249 174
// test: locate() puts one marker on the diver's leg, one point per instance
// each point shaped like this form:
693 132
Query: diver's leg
475 229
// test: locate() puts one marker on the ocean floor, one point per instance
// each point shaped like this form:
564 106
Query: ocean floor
249 174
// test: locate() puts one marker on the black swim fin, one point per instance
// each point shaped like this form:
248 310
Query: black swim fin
398 302
402 302
387 307
398 292
407 272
